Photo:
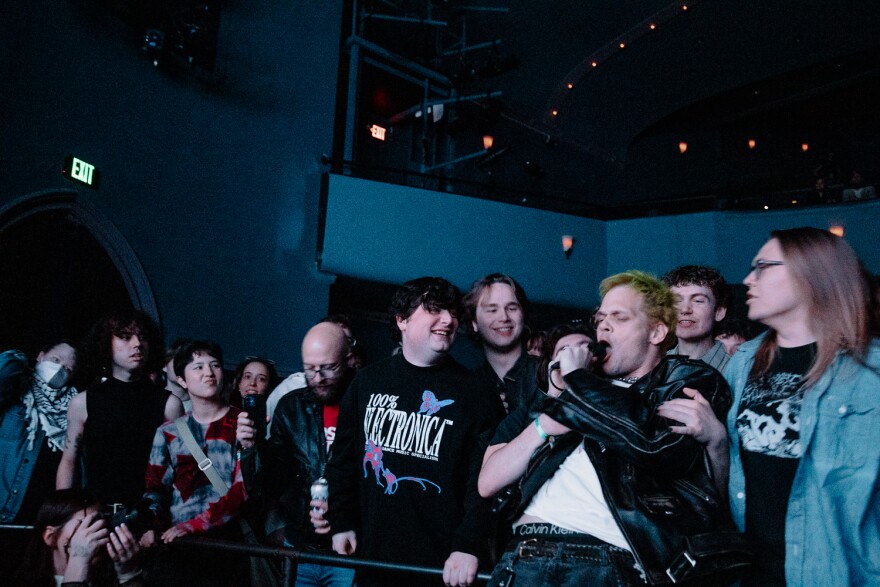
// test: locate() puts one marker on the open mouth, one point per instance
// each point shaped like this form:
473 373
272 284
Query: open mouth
441 332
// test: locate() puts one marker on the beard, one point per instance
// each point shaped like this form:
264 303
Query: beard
331 393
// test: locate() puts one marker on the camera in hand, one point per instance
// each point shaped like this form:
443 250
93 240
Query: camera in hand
139 518
255 406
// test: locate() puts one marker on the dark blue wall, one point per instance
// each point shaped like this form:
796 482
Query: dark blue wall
214 185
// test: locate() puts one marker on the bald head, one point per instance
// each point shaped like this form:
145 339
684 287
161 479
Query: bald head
324 355
326 339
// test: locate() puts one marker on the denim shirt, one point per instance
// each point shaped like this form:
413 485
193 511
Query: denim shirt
16 461
832 526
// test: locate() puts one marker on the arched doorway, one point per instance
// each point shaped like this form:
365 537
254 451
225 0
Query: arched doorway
63 265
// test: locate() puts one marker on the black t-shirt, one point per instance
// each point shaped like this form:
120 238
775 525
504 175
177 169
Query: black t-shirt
121 422
768 423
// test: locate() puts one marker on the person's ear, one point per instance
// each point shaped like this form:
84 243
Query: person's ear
181 381
50 535
720 313
401 323
658 333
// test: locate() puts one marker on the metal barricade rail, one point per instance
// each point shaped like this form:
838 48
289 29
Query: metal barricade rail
290 557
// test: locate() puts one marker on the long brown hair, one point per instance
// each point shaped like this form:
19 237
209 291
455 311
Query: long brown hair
828 273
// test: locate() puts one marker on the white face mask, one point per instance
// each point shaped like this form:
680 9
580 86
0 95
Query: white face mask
53 374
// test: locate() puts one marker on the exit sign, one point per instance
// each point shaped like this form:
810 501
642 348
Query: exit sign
80 171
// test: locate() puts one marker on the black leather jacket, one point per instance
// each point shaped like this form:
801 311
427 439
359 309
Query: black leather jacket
658 484
278 473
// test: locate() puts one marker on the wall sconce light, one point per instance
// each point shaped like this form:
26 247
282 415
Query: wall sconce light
752 143
682 147
488 141
567 245
836 230
805 147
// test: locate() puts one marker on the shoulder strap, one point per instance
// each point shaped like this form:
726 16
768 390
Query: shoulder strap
205 464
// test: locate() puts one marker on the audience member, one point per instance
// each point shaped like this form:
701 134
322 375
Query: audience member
496 308
253 376
355 355
804 460
281 471
69 545
857 190
535 344
402 476
701 301
298 380
171 379
111 424
548 380
733 331
33 426
194 498
602 500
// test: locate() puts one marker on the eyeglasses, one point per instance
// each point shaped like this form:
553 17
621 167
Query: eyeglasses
326 372
760 265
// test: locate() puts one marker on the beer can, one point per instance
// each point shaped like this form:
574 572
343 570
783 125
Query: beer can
320 489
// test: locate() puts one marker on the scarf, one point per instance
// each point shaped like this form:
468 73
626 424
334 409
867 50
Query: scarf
47 407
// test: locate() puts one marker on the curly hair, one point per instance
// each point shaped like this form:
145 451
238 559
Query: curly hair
432 293
700 275
97 346
658 301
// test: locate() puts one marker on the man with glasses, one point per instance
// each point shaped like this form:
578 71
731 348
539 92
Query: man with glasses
279 472
608 493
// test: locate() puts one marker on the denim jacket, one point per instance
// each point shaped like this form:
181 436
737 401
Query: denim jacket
832 526
16 461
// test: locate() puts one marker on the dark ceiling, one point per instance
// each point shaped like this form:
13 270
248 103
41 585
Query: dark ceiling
712 74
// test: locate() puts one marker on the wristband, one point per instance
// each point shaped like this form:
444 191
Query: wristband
544 436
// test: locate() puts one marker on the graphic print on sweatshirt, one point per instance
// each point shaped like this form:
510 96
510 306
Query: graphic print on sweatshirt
394 431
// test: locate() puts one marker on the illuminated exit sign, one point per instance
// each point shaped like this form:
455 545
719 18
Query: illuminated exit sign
80 171
377 132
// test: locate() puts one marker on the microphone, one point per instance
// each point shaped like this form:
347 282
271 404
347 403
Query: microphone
597 348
